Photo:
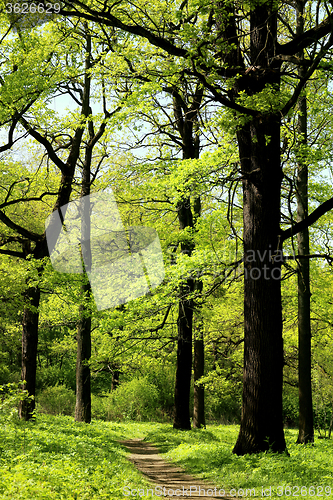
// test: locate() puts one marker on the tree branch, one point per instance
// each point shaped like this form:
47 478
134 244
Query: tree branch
307 38
308 221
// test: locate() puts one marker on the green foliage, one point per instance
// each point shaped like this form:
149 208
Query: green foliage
10 396
55 459
57 400
207 453
137 400
223 397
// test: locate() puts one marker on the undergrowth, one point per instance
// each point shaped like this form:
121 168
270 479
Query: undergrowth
207 453
59 459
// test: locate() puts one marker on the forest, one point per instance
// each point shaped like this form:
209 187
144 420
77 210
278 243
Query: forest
166 249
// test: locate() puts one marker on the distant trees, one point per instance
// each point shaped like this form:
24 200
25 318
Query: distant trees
57 143
251 64
241 55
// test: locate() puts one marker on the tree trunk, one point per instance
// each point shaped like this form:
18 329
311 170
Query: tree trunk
83 392
199 368
185 119
184 323
199 348
29 350
83 386
261 422
306 432
184 359
259 147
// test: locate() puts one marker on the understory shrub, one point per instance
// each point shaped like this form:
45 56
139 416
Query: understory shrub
223 398
137 399
57 400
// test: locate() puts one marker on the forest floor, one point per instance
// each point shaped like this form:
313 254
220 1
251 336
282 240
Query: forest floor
168 480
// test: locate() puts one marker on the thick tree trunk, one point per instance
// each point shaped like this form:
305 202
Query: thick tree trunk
261 422
184 323
259 147
184 360
83 386
199 352
29 350
198 369
83 392
306 433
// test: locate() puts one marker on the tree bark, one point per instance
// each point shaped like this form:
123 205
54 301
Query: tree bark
29 350
199 369
261 421
306 432
199 347
259 147
83 383
83 392
184 359
185 118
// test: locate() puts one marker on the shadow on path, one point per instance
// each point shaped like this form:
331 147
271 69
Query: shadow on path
172 480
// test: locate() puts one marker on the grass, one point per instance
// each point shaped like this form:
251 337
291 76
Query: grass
56 458
208 454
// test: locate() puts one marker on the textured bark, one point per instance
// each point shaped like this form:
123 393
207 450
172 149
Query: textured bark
29 351
199 369
185 119
184 360
306 432
261 422
199 347
184 326
259 147
83 385
83 392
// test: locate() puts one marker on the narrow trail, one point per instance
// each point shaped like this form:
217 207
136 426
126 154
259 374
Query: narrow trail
172 481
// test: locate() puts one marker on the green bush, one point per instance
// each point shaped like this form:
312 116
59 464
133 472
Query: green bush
137 400
223 398
57 400
10 396
163 378
290 406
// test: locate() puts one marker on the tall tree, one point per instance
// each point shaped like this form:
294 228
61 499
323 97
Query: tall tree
238 51
56 143
83 376
185 119
306 432
83 389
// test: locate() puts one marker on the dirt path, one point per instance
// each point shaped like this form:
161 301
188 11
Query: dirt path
171 481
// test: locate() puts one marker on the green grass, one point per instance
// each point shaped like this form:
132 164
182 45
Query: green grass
208 454
56 458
